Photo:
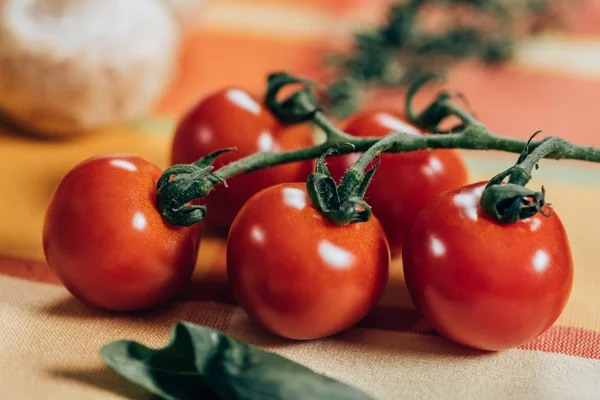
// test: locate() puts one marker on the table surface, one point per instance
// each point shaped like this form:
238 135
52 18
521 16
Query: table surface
49 342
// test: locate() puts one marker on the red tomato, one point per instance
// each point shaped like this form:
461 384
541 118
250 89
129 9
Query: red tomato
296 273
233 118
481 283
106 241
404 183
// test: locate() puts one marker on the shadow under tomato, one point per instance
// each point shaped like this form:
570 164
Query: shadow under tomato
247 330
403 332
396 294
396 320
209 281
408 344
105 379
70 307
206 290
396 313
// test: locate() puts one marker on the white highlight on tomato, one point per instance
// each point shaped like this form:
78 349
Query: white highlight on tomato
396 125
468 201
437 246
434 166
243 100
139 221
334 255
123 165
540 260
265 141
204 135
257 234
294 198
535 224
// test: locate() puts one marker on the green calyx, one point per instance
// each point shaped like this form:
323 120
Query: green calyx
512 201
182 183
342 204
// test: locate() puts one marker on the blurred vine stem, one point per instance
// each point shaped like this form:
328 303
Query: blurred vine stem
421 36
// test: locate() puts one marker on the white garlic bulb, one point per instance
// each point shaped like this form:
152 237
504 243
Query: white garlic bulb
68 66
186 11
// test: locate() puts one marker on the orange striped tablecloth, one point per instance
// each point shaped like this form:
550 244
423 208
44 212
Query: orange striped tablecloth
49 342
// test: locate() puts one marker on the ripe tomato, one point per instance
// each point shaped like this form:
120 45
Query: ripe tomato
233 118
481 283
106 241
296 273
404 183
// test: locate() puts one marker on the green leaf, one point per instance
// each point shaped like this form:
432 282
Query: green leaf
202 363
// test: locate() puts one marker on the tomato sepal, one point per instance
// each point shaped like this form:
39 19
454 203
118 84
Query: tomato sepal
182 183
341 204
512 201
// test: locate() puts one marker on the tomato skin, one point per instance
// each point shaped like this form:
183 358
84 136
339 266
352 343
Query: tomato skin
404 183
296 273
106 241
233 118
481 283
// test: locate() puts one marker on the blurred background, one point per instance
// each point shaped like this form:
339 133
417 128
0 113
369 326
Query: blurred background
79 78
84 77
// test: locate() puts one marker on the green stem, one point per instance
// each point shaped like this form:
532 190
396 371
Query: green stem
377 148
549 145
196 180
472 139
333 133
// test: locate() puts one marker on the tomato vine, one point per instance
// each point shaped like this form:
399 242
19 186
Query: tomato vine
181 184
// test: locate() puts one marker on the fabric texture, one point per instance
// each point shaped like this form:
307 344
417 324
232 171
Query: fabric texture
49 342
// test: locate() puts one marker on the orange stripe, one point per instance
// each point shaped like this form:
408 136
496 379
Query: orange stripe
566 340
213 59
571 341
577 342
201 288
581 17
31 270
487 89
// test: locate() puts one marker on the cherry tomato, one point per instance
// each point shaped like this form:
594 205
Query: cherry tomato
296 273
481 283
106 241
404 183
233 118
